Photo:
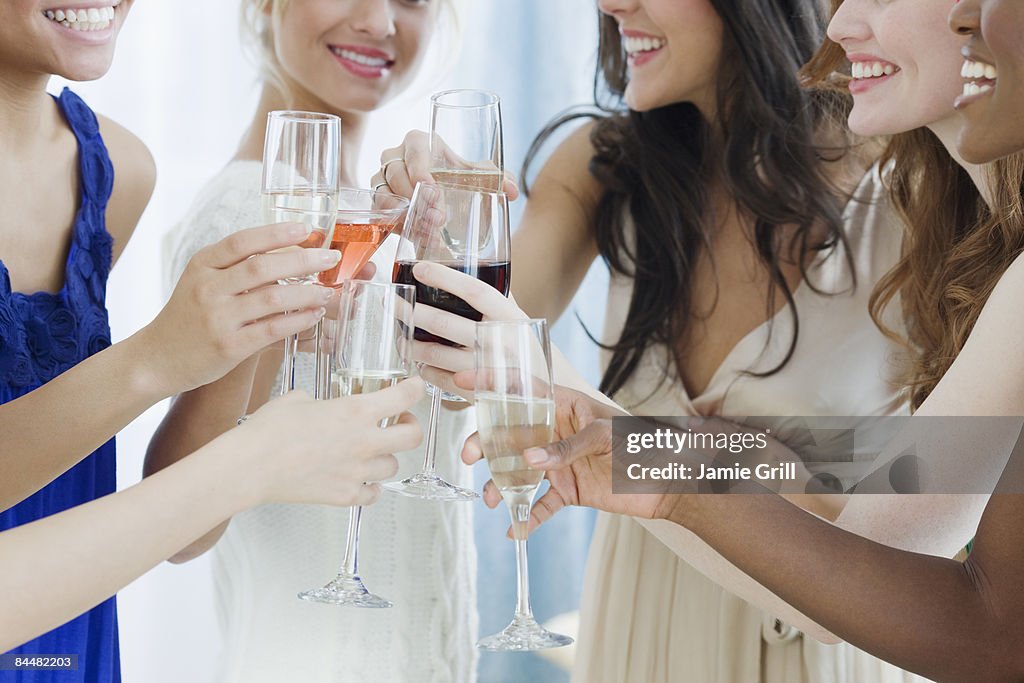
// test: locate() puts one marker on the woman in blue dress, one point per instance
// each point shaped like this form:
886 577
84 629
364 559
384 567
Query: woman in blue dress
73 186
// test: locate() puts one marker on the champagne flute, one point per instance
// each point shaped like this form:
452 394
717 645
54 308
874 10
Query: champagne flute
300 183
515 410
465 139
466 230
373 351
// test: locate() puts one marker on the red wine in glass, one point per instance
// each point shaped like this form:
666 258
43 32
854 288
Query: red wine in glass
494 273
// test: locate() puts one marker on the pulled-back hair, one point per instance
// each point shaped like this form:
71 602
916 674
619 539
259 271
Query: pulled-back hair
655 166
956 246
256 19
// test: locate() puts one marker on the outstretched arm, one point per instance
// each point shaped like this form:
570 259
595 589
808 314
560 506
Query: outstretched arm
295 450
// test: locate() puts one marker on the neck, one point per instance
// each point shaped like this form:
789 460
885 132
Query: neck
24 108
353 128
947 131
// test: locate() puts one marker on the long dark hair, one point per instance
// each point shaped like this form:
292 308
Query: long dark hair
655 164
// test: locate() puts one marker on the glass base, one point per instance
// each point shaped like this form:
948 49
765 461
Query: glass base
346 589
522 635
430 487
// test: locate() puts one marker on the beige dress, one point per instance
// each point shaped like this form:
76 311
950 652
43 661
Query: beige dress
649 617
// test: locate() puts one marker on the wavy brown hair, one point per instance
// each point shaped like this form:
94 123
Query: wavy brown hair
956 246
655 165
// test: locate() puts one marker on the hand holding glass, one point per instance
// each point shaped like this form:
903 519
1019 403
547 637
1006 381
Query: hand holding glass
515 410
466 230
373 351
300 183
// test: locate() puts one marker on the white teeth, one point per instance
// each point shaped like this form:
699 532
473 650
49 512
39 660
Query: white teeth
871 69
632 45
975 89
376 62
91 19
978 70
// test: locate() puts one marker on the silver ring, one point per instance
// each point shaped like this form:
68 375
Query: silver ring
242 420
384 168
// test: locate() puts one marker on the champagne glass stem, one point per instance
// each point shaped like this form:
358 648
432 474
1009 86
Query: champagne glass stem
430 453
350 565
523 609
291 345
319 385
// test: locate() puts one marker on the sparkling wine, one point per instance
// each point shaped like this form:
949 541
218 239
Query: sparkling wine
357 242
496 274
488 180
314 210
347 382
508 426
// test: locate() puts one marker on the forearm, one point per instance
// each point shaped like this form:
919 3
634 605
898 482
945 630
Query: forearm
92 551
922 613
197 417
49 430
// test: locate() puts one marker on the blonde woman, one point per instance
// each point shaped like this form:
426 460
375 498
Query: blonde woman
347 58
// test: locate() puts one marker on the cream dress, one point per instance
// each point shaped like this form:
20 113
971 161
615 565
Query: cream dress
649 617
418 554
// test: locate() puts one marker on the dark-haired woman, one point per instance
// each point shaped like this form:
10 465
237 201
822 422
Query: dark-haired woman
741 269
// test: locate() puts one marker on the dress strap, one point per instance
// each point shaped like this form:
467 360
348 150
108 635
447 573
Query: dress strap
91 255
97 173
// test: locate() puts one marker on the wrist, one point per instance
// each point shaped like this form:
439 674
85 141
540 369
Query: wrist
681 509
148 373
229 457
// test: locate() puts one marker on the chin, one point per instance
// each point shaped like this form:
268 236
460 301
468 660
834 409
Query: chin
977 147
85 69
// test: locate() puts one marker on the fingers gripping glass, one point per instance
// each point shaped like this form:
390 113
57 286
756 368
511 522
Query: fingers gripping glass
372 351
466 230
515 410
300 183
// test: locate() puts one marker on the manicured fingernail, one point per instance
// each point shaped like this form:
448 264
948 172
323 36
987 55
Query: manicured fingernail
297 230
321 312
536 457
325 294
330 256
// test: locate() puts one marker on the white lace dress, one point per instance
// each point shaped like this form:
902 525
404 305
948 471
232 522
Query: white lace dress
418 554
649 616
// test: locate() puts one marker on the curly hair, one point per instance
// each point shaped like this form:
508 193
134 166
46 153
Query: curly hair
956 246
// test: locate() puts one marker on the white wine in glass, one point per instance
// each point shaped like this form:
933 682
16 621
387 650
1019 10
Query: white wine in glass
372 351
466 148
300 182
516 410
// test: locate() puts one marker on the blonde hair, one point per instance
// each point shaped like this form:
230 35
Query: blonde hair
257 20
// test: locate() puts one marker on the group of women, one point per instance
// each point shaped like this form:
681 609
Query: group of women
796 224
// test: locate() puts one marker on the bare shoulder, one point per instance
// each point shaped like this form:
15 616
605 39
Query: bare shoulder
134 179
987 377
568 168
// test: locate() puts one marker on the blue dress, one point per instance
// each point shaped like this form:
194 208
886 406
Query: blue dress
41 336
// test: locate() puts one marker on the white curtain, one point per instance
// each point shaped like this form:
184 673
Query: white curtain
181 83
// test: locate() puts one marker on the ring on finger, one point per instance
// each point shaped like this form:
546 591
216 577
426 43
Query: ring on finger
384 168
